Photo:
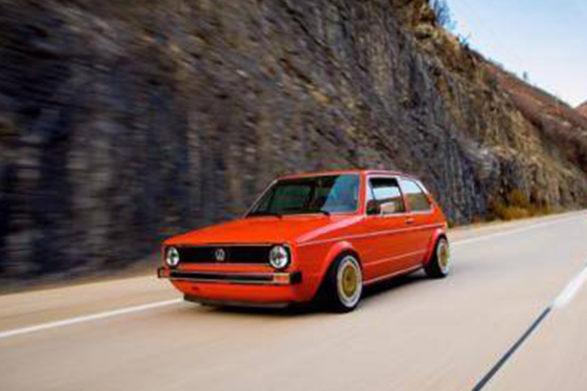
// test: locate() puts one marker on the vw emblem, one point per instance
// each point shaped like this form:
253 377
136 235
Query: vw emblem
220 255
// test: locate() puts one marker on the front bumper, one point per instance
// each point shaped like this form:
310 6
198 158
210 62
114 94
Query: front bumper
252 288
237 303
271 278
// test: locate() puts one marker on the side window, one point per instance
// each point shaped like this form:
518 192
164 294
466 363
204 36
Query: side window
417 200
387 194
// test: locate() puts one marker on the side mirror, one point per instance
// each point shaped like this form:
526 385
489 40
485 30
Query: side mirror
373 208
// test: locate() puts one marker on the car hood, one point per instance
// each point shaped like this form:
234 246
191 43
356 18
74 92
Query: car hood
265 229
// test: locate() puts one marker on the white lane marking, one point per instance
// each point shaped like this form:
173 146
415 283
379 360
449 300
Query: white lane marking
571 290
87 318
148 306
514 231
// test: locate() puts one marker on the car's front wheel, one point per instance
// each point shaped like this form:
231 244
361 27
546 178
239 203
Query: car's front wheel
440 263
344 284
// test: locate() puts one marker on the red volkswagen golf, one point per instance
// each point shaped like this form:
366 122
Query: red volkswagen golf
323 234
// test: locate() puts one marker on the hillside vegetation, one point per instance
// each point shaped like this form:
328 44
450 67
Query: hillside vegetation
124 122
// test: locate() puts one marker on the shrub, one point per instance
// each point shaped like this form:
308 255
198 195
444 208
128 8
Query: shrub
517 205
517 198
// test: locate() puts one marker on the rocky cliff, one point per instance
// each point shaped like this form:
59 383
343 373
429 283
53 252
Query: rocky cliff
123 122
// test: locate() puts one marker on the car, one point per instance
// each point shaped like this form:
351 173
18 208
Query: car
319 235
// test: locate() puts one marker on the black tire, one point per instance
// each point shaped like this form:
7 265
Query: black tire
333 287
439 264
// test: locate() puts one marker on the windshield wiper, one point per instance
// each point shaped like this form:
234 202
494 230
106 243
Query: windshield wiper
265 214
327 213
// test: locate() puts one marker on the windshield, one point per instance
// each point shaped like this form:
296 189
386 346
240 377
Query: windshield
321 194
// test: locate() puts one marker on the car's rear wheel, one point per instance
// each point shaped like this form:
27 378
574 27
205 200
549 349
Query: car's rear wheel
439 264
344 284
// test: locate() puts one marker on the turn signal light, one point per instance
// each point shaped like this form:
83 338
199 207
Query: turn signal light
281 278
163 272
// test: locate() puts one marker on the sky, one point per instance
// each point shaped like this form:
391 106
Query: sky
545 38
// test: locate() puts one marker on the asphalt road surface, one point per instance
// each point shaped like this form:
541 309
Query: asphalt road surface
512 316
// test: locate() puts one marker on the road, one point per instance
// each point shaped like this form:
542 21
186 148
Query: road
409 334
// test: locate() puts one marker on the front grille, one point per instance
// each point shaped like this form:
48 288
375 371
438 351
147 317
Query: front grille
232 254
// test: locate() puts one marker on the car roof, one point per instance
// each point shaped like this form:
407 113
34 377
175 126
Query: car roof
348 171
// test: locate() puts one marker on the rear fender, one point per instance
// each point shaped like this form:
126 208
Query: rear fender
438 233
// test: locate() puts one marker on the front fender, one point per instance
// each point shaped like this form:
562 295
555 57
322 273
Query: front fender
334 251
337 249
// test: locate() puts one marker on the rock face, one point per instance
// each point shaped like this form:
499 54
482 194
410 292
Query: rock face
124 122
582 109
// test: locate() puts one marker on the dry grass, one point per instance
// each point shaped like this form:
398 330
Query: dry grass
517 206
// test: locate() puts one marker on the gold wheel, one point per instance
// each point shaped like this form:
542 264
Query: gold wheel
349 281
443 256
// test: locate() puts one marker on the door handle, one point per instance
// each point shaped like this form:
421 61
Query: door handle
410 221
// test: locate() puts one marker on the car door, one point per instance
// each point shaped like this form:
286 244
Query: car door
386 222
419 212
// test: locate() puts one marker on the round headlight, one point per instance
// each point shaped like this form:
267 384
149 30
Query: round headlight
172 257
279 257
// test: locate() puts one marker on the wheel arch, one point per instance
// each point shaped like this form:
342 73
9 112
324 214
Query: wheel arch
437 235
336 251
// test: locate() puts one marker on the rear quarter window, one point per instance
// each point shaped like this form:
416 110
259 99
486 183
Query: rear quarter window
417 200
